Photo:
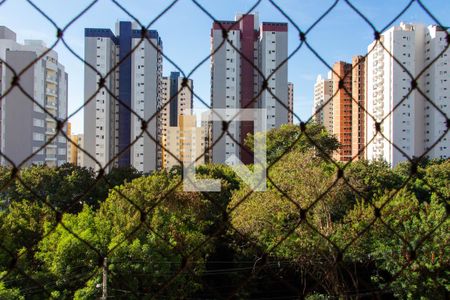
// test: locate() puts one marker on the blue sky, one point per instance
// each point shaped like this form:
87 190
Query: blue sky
185 31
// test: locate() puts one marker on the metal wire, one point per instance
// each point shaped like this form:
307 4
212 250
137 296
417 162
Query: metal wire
264 265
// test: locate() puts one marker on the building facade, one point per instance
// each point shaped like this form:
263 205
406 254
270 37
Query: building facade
80 154
437 89
323 102
185 143
342 109
74 154
114 114
71 149
358 107
291 103
177 100
406 119
26 125
236 82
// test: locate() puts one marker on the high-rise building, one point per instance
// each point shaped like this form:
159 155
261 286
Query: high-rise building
272 54
291 103
323 102
342 109
71 149
437 89
358 106
177 100
403 116
80 154
74 154
25 125
236 82
184 143
114 114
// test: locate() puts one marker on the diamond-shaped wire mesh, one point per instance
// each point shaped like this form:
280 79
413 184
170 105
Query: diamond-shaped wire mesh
324 228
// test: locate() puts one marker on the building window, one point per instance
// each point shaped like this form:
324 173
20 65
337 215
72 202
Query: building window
38 122
38 136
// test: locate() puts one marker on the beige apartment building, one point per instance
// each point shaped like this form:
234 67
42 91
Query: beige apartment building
184 143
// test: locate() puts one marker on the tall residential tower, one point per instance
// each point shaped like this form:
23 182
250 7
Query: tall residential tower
117 112
358 107
25 125
408 120
342 109
236 82
323 102
177 100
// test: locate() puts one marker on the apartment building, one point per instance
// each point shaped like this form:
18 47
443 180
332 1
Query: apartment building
291 103
437 89
404 117
177 100
27 125
80 154
74 154
323 102
236 83
71 149
358 107
185 143
342 109
130 94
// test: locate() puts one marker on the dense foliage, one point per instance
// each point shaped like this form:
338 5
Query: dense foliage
315 233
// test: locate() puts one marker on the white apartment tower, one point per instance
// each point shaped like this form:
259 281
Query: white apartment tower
323 102
26 126
437 88
413 124
272 53
236 83
116 114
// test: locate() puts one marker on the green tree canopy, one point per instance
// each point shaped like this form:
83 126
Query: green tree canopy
289 136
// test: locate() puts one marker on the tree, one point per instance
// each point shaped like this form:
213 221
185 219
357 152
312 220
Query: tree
66 188
372 178
148 234
436 178
413 245
21 228
288 228
280 140
116 177
9 293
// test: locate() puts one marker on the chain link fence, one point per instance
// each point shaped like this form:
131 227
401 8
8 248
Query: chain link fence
323 230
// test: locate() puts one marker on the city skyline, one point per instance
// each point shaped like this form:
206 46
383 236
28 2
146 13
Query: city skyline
303 66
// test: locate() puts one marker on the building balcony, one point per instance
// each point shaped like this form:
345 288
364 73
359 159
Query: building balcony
50 131
51 78
51 92
51 65
51 146
50 105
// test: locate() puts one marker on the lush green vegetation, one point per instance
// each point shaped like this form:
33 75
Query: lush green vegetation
315 233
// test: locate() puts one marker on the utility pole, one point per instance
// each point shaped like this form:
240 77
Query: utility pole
105 279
